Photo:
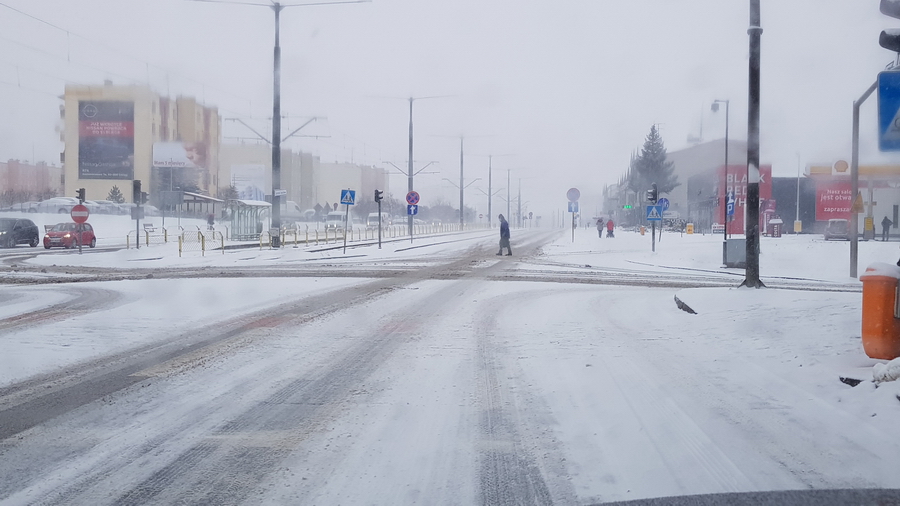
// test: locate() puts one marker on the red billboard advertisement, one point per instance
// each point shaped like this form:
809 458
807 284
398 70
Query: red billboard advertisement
105 139
833 199
736 181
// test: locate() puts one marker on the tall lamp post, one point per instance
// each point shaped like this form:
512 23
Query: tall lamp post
276 103
715 107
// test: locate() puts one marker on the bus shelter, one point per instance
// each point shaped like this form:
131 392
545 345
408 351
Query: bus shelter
248 219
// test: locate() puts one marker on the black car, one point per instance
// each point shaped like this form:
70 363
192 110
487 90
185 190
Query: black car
14 231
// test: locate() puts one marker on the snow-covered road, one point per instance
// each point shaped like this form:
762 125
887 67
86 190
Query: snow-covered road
459 381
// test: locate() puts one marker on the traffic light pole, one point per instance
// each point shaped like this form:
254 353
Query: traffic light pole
854 182
379 221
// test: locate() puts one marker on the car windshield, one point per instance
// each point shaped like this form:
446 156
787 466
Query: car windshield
415 252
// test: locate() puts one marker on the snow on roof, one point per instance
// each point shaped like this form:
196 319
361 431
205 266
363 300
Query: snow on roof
253 203
881 269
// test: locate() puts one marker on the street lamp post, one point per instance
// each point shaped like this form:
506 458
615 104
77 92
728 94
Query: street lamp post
715 107
751 274
276 104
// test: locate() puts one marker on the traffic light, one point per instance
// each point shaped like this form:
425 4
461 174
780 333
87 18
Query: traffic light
144 198
626 206
80 193
652 194
379 195
136 191
890 39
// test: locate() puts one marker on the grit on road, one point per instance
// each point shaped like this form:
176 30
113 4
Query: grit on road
468 379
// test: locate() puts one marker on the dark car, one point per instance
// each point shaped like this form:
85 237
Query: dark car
17 231
66 235
837 229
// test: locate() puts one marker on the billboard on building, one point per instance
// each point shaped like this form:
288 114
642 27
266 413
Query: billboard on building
105 139
736 182
833 200
176 155
251 181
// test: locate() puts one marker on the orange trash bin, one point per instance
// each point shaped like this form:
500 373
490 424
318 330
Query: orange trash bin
880 325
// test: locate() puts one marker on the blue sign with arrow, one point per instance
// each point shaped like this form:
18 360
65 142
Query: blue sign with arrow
573 207
412 210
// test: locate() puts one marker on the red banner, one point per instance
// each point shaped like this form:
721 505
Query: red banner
833 200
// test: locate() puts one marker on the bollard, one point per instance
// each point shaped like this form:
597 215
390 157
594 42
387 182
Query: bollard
880 311
179 246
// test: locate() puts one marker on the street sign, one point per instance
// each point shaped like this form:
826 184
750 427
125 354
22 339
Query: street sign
573 207
348 197
80 213
857 206
654 213
412 210
282 192
664 202
480 216
889 111
412 198
573 194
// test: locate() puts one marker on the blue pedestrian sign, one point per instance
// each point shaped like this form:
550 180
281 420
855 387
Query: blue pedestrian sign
664 202
729 202
654 213
412 210
889 111
573 207
348 197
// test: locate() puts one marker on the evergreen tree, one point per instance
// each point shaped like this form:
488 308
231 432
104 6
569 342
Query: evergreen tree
651 166
115 195
228 193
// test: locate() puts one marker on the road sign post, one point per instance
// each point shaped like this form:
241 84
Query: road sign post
80 215
654 214
573 195
412 198
348 198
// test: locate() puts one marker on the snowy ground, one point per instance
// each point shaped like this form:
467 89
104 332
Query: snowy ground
455 390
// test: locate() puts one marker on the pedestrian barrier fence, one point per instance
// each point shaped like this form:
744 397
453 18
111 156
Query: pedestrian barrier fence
201 240
148 236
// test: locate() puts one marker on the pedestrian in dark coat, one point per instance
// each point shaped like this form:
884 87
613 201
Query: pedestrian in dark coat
886 228
504 237
600 227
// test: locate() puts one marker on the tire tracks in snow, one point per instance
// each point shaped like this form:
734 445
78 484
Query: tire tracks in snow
511 473
82 300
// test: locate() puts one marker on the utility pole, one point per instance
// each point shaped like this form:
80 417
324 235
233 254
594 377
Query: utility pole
461 187
507 196
276 107
519 218
751 277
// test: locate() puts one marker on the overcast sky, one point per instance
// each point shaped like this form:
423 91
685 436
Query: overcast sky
568 88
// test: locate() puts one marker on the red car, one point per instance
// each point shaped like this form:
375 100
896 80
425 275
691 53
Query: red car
66 236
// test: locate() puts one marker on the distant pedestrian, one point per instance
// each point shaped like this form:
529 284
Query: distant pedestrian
210 221
609 228
600 227
886 228
504 237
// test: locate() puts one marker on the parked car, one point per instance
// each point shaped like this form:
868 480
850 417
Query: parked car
66 235
22 207
837 229
18 231
335 219
60 205
102 206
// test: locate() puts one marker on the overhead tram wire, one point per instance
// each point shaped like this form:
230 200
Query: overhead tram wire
120 53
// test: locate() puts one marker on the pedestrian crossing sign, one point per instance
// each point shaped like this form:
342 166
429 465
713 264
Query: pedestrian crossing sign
654 213
348 197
